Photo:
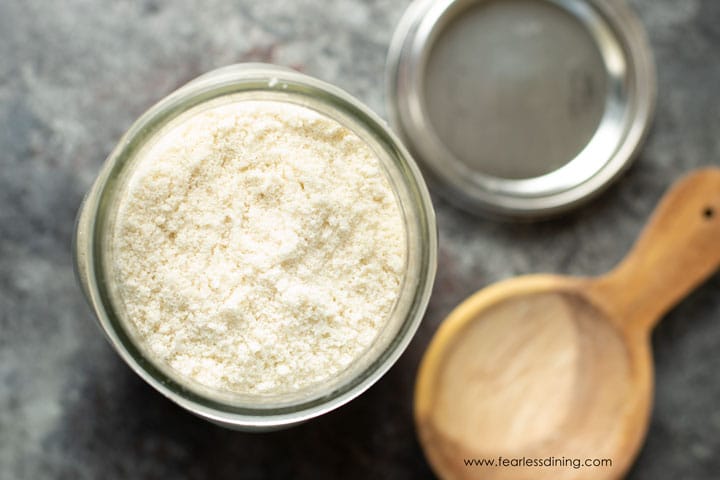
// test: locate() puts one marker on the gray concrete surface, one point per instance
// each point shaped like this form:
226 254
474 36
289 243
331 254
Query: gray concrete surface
73 76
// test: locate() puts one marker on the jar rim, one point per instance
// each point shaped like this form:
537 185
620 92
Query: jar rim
92 222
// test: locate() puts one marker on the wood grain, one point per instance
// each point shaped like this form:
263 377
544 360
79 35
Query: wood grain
548 366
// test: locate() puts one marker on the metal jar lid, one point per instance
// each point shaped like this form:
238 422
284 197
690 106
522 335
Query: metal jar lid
521 108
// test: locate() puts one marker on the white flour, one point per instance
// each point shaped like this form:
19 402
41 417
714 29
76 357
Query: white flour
259 248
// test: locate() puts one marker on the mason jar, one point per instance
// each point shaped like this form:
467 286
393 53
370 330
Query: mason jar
97 215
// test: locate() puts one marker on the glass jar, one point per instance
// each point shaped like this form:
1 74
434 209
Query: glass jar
259 82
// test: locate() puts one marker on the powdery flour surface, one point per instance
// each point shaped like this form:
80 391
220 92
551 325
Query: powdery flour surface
259 249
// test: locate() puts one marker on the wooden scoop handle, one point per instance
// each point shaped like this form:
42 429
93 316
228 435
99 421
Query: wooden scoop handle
677 251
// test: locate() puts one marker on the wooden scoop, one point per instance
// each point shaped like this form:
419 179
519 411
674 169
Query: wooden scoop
541 374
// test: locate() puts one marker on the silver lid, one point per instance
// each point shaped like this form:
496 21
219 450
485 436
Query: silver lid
521 108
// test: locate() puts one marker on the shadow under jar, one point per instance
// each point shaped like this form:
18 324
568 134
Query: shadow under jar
98 216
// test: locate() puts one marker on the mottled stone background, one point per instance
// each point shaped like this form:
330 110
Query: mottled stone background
75 73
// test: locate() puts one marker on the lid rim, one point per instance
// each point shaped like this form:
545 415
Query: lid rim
639 79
